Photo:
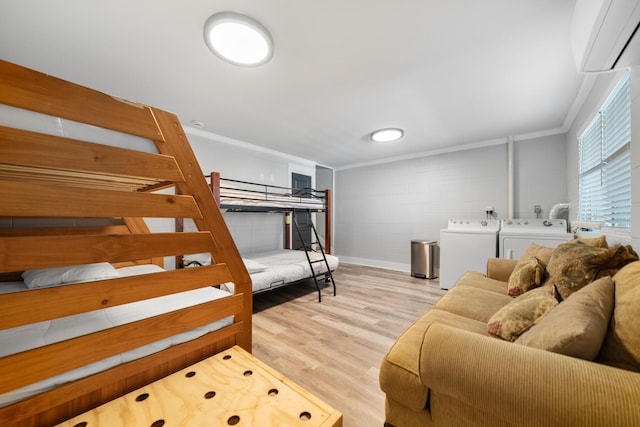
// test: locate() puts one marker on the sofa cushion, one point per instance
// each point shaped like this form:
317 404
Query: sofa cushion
521 313
574 265
621 346
527 274
478 280
578 325
399 371
472 301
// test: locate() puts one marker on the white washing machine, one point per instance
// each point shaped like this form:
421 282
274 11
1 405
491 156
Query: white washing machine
517 234
466 245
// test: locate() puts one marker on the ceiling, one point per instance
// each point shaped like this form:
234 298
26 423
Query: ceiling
452 74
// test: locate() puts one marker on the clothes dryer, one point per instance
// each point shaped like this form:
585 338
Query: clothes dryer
466 244
517 234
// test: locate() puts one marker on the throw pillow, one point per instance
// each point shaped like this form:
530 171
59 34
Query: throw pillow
577 326
523 312
45 277
574 265
621 346
596 242
527 274
543 253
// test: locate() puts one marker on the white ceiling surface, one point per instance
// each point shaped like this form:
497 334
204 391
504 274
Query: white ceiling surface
451 73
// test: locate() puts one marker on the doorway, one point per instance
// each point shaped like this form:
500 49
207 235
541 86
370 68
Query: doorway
301 186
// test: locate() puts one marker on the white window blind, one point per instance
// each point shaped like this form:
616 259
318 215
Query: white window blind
605 161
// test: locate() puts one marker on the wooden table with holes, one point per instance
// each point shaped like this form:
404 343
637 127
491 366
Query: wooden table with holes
230 388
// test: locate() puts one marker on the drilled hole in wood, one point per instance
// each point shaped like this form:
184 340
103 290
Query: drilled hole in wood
81 424
190 374
142 397
227 357
248 373
305 416
157 423
233 420
273 392
209 394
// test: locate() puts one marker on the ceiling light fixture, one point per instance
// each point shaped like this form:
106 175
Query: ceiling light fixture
387 135
238 39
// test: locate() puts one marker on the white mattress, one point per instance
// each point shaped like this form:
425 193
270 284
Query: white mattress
285 266
239 197
281 266
27 337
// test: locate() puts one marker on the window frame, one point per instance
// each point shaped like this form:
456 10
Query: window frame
607 156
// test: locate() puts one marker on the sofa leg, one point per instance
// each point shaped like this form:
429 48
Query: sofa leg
386 424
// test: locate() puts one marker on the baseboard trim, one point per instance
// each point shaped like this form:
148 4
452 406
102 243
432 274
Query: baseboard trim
376 263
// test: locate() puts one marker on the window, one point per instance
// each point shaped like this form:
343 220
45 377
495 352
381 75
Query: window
605 161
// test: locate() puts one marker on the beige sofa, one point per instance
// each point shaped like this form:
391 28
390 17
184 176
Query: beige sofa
447 370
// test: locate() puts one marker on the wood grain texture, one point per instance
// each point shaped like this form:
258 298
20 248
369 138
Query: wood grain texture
224 250
230 388
32 149
24 368
32 90
18 308
334 348
32 252
26 199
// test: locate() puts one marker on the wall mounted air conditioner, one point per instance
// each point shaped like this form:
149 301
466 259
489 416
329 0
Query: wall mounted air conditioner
605 34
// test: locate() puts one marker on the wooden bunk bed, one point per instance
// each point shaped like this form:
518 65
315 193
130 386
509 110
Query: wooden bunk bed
67 181
308 259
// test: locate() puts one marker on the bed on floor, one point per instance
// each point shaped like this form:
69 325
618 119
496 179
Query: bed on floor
88 313
279 267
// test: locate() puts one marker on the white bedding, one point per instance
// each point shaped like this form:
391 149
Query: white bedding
286 266
27 337
281 266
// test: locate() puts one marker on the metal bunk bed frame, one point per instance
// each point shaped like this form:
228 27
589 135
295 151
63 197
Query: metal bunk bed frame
297 204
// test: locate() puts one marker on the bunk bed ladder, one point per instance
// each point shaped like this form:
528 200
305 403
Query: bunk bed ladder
310 246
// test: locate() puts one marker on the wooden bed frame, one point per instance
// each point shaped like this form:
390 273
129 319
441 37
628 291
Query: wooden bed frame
44 176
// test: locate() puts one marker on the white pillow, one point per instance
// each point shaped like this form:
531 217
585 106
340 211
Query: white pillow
202 259
135 270
44 277
253 266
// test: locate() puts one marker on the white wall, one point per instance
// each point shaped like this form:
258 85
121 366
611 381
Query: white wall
539 166
603 85
381 208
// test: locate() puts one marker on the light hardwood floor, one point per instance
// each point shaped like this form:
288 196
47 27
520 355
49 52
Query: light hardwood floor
334 348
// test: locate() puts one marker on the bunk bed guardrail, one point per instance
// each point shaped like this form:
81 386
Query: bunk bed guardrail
69 182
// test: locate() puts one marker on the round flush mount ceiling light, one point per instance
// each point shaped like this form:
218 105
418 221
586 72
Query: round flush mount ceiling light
387 135
238 39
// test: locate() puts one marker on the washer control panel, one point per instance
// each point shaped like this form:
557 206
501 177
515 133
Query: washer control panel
535 225
473 224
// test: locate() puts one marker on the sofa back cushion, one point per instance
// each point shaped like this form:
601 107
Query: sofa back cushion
578 325
621 346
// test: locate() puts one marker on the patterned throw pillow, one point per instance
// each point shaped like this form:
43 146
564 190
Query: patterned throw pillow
523 312
527 274
574 265
543 253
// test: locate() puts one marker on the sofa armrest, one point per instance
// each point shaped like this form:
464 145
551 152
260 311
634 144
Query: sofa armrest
500 268
525 386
